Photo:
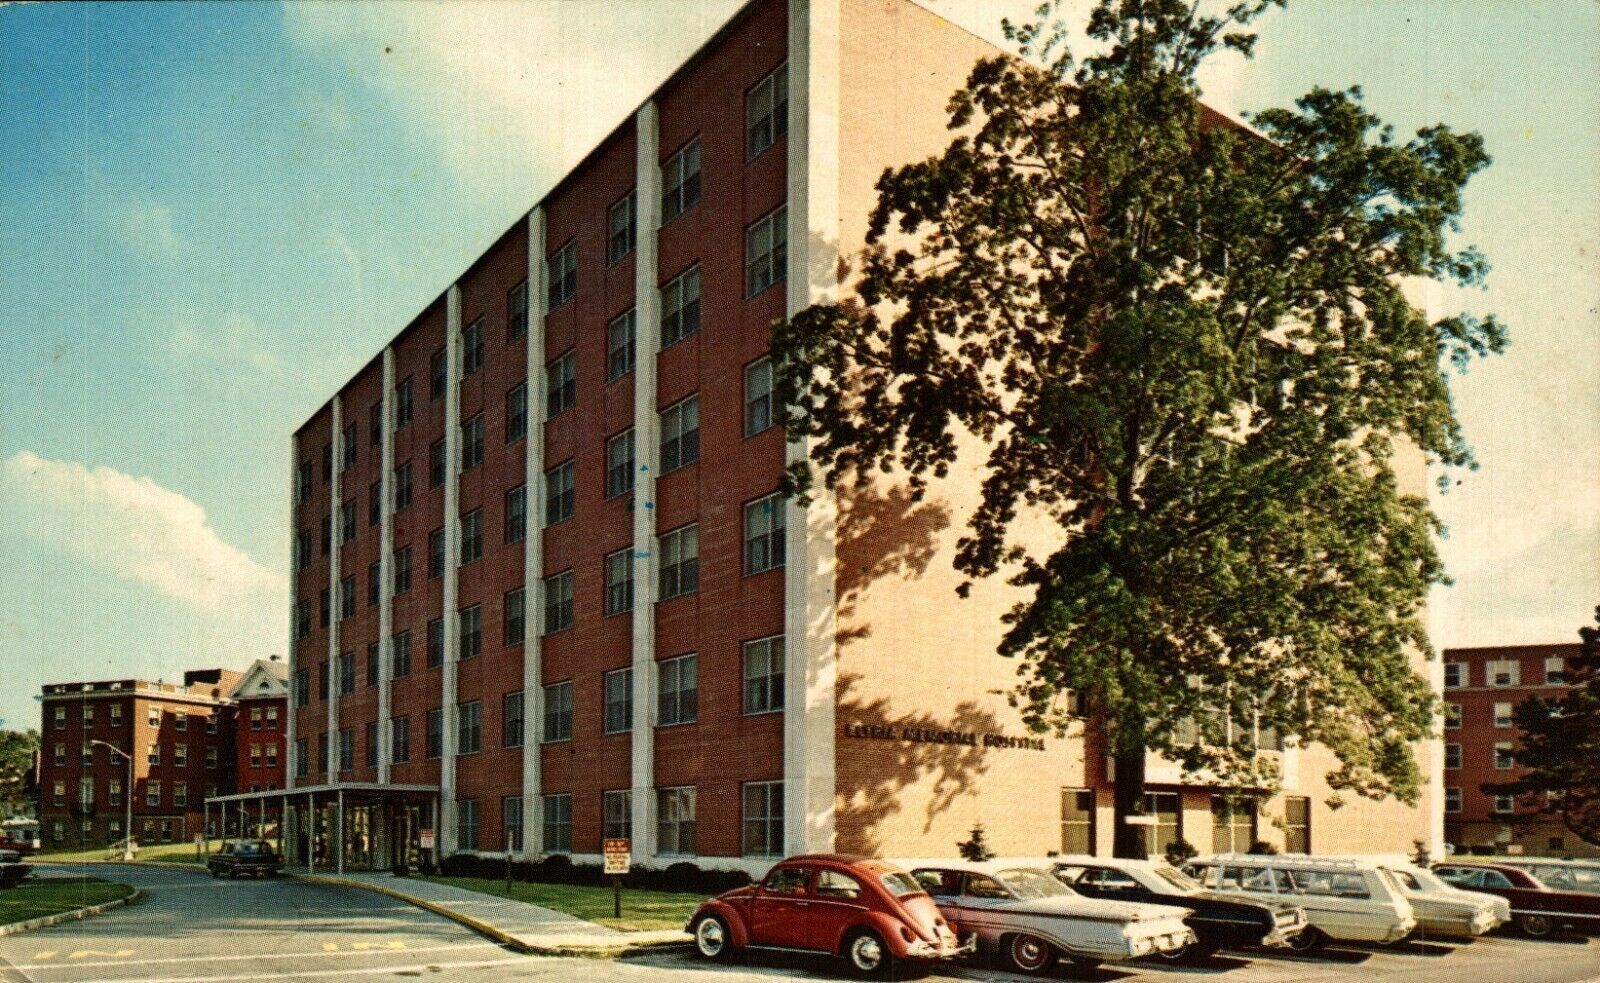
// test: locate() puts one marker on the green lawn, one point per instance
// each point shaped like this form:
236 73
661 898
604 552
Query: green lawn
35 900
168 852
641 910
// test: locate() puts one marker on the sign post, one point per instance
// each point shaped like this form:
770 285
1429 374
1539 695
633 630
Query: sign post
619 859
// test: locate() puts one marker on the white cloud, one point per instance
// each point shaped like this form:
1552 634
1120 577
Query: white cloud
136 530
229 341
147 228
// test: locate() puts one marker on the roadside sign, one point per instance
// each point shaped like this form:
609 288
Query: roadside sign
619 856
426 836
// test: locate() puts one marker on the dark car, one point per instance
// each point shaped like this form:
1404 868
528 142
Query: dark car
254 858
1218 922
868 912
12 870
1537 909
1559 875
22 847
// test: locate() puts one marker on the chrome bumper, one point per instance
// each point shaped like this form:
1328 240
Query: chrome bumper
1169 942
948 947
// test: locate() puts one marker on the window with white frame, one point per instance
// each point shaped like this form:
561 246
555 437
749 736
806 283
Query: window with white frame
152 793
514 627
617 716
1452 799
764 546
517 413
619 582
517 514
678 690
680 181
558 712
562 275
466 824
1452 716
1504 759
766 252
471 537
1502 715
766 112
679 553
511 719
621 335
680 434
557 826
619 464
1455 674
517 311
763 819
1505 803
680 307
560 492
1555 671
472 443
404 403
471 632
763 675
1452 755
617 815
758 415
675 809
558 602
469 727
400 739
472 348
622 228
560 385
1504 672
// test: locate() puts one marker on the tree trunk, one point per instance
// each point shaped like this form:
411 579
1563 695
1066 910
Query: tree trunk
1127 796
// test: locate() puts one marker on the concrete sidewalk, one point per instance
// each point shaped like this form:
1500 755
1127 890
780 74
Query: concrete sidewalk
521 926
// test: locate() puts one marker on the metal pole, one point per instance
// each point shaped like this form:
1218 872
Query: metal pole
311 832
127 798
339 838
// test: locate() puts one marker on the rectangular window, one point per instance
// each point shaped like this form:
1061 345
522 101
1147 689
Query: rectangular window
375 424
439 374
766 252
404 408
375 504
436 464
617 810
763 675
679 553
88 716
1555 671
302 758
619 464
622 228
766 112
435 643
302 688
619 582
1296 824
471 632
1452 716
763 819
116 715
680 307
86 755
369 752
764 546
517 413
152 793
372 664
1233 825
561 272
400 739
347 673
469 728
327 462
1452 799
511 819
557 823
618 712
472 443
1504 672
679 701
560 492
511 719
402 570
436 554
557 712
114 792
347 597
471 537
374 584
302 483
517 311
1168 828
435 735
180 755
1504 759
211 757
1077 821
86 790
180 721
61 755
558 602
272 720
620 337
680 182
515 617
675 821
466 824
680 434
302 550
758 414
347 522
517 514
561 385
402 487
400 648
1505 803
350 444
472 348
1455 674
1502 715
327 534
1452 755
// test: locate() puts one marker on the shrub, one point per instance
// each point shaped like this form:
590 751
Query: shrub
1263 847
975 849
1179 851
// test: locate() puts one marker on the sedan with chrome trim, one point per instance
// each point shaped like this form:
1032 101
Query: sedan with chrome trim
1537 910
1443 909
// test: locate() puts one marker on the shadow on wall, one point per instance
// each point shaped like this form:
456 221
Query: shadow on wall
881 535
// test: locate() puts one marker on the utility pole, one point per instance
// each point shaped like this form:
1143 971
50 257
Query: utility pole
127 798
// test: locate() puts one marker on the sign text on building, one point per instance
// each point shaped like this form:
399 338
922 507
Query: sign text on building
934 735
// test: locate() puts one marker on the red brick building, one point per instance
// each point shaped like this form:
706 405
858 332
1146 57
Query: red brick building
260 725
1482 689
181 738
543 592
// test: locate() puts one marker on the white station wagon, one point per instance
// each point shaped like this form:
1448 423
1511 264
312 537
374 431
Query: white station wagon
1443 909
1347 900
1029 919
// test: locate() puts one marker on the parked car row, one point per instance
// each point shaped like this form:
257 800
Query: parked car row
1029 914
12 870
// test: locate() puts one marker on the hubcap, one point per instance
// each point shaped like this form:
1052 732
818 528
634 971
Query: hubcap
1028 952
710 937
867 952
1536 925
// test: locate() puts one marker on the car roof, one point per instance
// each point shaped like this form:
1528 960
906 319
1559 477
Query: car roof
1084 860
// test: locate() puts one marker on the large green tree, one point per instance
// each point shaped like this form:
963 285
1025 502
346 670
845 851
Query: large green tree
1560 746
18 751
1185 343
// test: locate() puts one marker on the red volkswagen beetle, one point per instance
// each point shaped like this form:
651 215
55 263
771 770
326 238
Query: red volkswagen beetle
866 912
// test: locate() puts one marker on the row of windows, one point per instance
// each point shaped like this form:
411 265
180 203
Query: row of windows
1502 803
152 792
180 755
154 716
1504 756
762 820
1500 673
1504 715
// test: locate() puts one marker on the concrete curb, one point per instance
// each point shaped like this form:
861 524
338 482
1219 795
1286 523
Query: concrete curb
77 914
598 950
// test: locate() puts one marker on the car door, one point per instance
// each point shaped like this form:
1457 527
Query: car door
837 903
778 913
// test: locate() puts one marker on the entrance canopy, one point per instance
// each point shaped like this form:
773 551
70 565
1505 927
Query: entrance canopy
362 824
353 791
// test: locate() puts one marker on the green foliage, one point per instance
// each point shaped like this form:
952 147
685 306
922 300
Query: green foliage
1560 745
1179 852
18 749
1185 343
975 847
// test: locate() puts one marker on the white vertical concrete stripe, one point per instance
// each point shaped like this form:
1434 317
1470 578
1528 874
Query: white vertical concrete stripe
293 652
336 497
647 317
386 567
452 553
533 547
810 629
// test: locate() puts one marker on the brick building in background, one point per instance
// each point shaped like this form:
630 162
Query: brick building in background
1482 689
543 591
260 715
182 738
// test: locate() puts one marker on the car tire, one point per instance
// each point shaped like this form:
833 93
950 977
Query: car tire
215 872
867 953
712 940
1028 954
1309 941
1535 926
1192 953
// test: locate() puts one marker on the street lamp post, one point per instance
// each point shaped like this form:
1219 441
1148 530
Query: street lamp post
127 798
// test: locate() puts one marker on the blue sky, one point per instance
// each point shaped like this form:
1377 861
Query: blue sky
212 214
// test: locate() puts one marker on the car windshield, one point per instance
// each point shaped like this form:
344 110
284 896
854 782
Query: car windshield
900 883
1178 879
1030 882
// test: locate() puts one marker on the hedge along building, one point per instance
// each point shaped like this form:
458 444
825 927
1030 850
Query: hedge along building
544 593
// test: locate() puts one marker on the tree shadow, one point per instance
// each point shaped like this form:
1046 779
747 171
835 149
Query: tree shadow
881 535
